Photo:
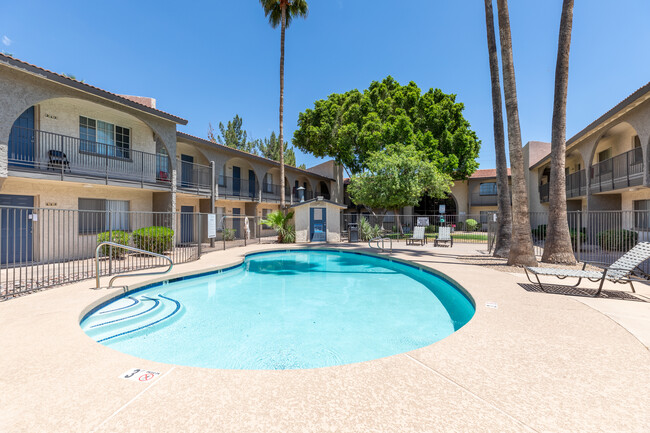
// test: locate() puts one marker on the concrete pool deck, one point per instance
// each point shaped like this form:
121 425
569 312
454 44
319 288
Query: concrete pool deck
537 362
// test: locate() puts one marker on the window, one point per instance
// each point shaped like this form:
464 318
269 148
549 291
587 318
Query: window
268 183
604 155
104 138
637 154
162 166
642 214
489 188
99 215
484 215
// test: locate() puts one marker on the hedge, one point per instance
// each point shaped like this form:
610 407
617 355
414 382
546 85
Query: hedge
154 239
471 225
119 237
617 239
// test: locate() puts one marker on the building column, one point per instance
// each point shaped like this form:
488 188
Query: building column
4 160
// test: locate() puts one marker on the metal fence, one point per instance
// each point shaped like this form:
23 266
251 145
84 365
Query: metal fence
45 247
465 228
601 236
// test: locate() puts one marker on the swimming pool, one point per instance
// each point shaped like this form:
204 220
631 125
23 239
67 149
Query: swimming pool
284 310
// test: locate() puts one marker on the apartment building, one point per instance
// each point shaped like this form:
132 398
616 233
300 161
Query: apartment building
65 144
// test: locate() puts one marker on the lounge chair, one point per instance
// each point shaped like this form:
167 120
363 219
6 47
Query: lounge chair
621 271
418 236
58 160
444 236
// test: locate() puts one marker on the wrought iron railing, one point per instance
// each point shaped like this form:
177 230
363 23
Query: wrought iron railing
66 156
621 171
193 177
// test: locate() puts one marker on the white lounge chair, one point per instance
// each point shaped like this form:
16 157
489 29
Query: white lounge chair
621 271
418 236
444 235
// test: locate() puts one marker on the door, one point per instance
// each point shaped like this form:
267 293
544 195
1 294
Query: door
15 228
236 222
187 224
251 183
318 224
236 180
187 170
21 140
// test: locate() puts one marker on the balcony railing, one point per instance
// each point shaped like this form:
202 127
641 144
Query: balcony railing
483 200
544 193
237 188
621 171
40 151
576 186
193 177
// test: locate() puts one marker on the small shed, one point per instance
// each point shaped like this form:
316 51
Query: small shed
318 220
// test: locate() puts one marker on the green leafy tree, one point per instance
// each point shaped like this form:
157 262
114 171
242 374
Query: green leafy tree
396 177
232 135
351 126
282 12
270 148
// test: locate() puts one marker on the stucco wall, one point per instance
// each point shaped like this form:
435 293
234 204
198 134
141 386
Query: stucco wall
333 221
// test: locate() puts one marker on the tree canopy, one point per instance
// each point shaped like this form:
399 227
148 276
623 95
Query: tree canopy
270 148
351 126
396 177
232 135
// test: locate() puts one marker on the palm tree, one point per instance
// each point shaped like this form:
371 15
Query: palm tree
521 248
504 230
281 12
281 223
557 247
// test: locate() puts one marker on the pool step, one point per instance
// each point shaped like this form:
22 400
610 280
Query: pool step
141 317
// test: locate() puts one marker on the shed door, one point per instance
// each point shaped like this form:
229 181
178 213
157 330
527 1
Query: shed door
15 228
318 224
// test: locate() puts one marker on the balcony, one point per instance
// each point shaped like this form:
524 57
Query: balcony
193 178
66 157
483 200
576 186
237 188
621 171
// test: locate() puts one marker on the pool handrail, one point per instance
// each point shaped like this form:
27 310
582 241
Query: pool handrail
130 248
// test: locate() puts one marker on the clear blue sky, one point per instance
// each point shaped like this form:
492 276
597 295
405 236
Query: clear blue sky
207 61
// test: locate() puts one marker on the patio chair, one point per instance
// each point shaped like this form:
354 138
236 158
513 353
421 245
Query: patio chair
444 236
621 271
57 160
418 236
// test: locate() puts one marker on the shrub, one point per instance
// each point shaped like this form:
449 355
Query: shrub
154 239
229 234
280 222
367 231
119 237
471 225
460 226
617 239
289 235
430 229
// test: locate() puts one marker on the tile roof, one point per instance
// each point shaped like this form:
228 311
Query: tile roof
71 82
486 173
194 138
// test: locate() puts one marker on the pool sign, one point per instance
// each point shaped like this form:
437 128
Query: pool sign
441 208
140 375
212 225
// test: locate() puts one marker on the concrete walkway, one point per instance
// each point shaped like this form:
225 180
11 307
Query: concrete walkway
538 362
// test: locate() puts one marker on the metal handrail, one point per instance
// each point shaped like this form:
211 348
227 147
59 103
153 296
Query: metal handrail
134 249
382 239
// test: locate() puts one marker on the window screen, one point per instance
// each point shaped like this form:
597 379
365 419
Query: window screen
489 188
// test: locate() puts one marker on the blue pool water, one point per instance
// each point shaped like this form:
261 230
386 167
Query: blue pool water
284 310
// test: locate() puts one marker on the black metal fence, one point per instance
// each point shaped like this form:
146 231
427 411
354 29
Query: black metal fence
601 236
465 228
44 247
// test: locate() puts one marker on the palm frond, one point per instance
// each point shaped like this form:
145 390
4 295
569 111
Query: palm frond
273 10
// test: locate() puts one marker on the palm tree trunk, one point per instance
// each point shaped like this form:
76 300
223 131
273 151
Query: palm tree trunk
504 230
521 248
557 247
281 137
